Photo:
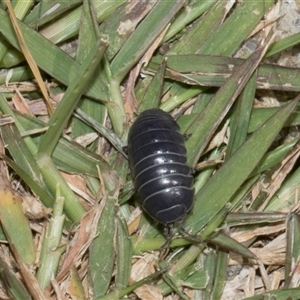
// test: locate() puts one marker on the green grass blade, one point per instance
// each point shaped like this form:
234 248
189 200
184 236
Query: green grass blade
73 208
293 247
122 23
67 105
220 275
20 8
39 190
12 284
72 157
40 14
207 122
239 121
238 26
68 25
124 255
212 70
283 44
228 243
14 222
280 294
186 16
140 40
274 157
284 199
18 74
228 179
51 248
202 30
154 91
49 57
101 266
88 35
5 108
24 162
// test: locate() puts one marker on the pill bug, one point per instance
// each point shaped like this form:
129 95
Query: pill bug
157 158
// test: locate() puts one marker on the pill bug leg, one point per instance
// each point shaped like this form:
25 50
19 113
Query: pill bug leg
191 237
168 233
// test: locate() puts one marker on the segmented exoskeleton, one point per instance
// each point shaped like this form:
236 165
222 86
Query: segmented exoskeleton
157 158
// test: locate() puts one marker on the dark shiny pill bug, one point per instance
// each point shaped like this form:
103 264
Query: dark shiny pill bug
157 158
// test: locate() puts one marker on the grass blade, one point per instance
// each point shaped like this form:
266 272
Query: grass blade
140 40
222 186
67 105
218 106
14 222
51 247
49 57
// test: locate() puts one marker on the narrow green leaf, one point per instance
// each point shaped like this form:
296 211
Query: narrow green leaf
238 219
88 35
228 243
70 99
73 208
14 223
292 250
238 26
20 153
40 12
72 157
159 17
17 74
284 199
220 275
115 106
154 91
191 276
12 284
207 122
228 179
191 12
68 25
283 44
5 108
239 121
49 57
20 10
202 29
102 251
24 163
51 248
280 294
260 115
213 70
124 255
120 25
274 157
40 190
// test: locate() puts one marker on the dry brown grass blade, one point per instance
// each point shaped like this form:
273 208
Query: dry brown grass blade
86 234
28 56
29 279
280 174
